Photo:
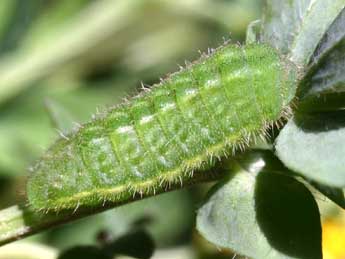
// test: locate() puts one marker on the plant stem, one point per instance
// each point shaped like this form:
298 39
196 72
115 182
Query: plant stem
17 222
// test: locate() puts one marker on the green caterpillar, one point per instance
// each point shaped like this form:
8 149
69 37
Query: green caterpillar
207 110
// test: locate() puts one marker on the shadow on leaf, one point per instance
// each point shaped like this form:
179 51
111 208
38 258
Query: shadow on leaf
288 216
321 121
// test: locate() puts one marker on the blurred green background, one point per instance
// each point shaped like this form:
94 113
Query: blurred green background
61 60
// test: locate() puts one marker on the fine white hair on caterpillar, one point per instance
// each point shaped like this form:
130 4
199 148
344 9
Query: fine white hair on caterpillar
207 110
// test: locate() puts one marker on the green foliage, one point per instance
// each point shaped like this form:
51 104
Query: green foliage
261 213
290 25
326 72
317 128
317 138
59 60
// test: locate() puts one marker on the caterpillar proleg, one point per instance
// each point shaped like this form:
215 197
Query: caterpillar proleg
209 109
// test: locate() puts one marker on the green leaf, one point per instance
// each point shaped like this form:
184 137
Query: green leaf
327 68
262 215
333 36
61 118
322 103
253 32
337 195
296 26
313 145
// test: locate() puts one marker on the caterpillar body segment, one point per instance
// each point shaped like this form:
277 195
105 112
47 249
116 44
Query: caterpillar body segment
209 109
